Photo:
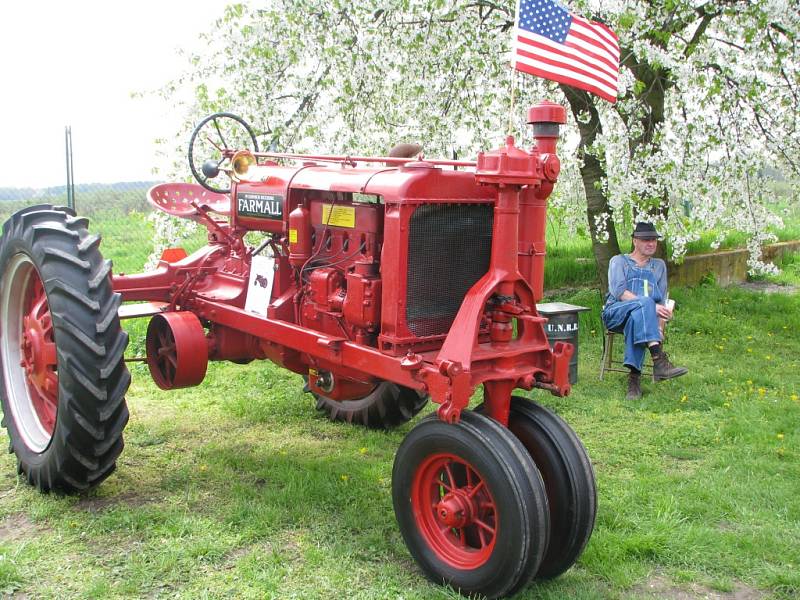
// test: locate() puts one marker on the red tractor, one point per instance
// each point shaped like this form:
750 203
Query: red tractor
384 281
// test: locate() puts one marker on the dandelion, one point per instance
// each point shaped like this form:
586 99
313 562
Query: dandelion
720 348
749 337
721 371
726 404
362 450
779 436
761 391
684 398
749 349
749 382
794 397
780 451
203 468
345 478
768 357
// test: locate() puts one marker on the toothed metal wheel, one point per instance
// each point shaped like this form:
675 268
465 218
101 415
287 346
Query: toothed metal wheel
388 405
61 351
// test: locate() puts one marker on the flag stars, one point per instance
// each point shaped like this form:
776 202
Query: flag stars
546 18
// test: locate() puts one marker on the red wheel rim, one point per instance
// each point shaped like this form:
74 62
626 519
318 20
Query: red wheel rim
38 353
454 510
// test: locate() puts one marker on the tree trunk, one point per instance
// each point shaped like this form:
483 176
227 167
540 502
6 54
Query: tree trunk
593 173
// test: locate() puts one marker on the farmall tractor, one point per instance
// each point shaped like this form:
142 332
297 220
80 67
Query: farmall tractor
383 281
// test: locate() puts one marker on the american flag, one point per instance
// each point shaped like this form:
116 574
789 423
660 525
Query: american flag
550 42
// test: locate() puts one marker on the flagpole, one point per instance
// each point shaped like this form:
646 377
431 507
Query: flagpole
513 69
511 108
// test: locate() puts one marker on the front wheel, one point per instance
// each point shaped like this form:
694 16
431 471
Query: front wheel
61 351
568 478
470 504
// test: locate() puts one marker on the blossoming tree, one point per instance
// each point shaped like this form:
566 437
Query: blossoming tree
708 96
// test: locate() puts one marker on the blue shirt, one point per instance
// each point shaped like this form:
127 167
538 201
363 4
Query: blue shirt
625 274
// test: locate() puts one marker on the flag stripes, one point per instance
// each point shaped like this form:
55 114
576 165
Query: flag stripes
550 42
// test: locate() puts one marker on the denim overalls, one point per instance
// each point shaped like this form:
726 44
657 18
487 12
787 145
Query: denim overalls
636 319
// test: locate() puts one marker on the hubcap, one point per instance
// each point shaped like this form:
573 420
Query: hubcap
455 511
28 353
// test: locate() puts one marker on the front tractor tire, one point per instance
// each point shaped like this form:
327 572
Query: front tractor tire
62 373
471 505
388 406
568 478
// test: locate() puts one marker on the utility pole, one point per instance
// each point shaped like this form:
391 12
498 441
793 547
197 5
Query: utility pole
70 172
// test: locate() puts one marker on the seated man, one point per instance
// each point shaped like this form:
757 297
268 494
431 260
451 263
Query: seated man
636 306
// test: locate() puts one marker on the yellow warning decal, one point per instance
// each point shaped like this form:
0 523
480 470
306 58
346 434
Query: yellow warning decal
293 236
340 216
312 372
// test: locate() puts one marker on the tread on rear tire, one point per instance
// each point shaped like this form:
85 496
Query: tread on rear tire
64 406
389 405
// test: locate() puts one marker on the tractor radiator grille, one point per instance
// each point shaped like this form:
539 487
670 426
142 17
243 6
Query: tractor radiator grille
449 246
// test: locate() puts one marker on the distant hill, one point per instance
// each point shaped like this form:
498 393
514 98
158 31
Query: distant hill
16 193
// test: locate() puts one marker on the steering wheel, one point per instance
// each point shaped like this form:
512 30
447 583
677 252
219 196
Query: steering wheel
214 141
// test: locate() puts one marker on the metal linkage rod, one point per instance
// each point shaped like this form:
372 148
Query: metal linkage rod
391 160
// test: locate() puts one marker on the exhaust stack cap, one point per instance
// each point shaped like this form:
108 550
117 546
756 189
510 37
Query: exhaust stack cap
545 118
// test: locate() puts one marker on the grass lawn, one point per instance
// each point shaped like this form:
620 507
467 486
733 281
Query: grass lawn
239 488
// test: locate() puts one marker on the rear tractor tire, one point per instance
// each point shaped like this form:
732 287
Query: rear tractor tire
388 406
62 373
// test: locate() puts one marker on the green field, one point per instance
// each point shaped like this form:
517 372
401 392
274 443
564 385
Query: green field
240 488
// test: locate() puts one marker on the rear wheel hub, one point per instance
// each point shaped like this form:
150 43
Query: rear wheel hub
29 345
39 353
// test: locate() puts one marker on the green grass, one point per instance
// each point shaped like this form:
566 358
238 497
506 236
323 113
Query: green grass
129 239
239 488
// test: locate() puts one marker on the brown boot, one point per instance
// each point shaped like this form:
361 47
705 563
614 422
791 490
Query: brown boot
663 369
634 386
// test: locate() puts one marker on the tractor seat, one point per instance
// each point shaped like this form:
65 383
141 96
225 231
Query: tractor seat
175 199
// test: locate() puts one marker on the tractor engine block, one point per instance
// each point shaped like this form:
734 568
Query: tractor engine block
335 246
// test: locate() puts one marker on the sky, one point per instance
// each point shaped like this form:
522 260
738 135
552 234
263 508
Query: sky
77 64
